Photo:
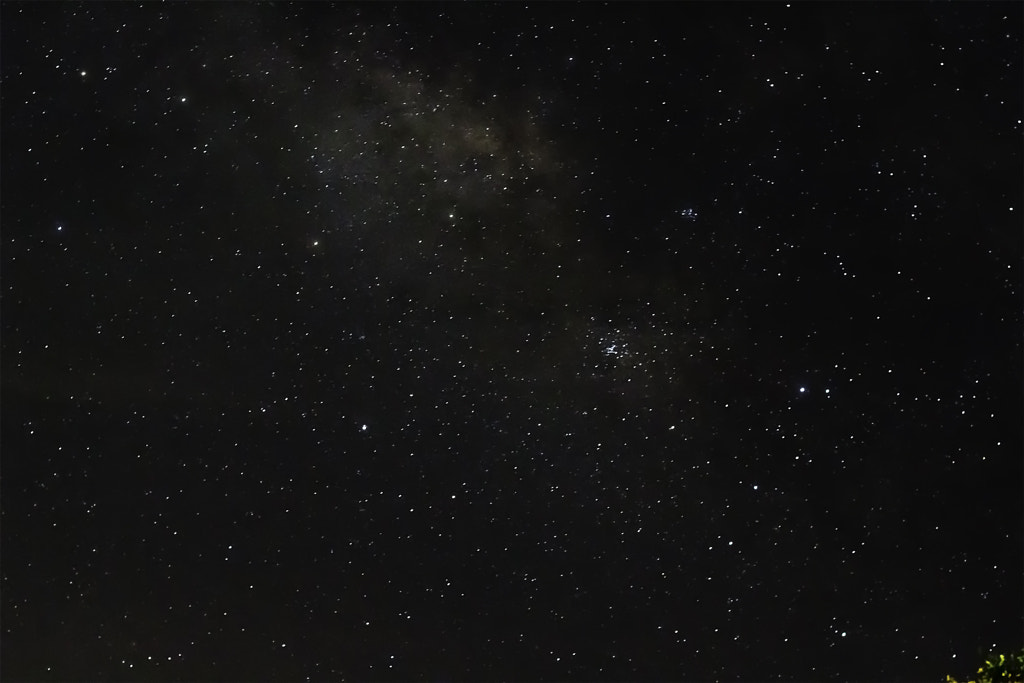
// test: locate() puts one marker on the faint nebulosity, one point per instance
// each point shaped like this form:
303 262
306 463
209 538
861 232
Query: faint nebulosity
510 342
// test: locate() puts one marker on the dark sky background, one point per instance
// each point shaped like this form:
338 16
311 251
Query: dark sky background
510 342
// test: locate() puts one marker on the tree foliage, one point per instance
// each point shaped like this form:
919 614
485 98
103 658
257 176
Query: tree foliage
999 668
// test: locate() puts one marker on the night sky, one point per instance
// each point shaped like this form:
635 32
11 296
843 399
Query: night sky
511 342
